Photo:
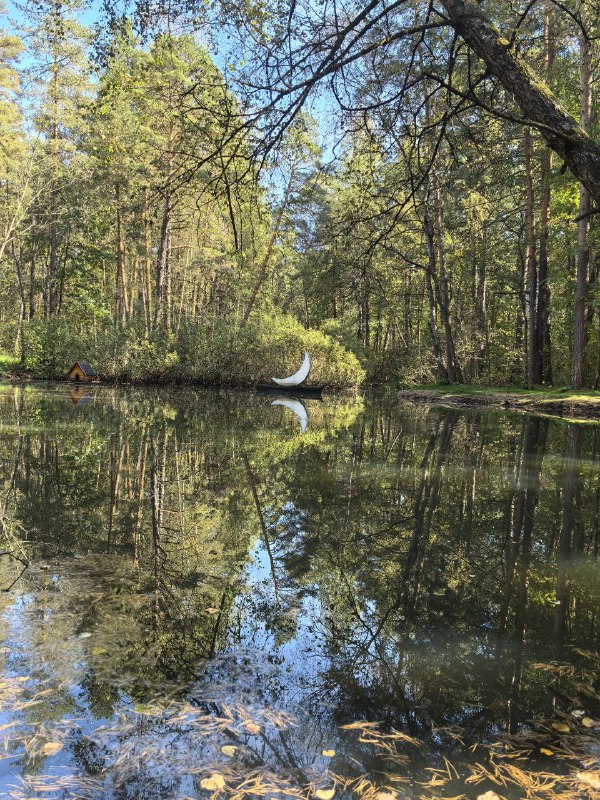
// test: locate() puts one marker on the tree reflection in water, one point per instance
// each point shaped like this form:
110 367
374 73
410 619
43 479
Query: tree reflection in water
425 569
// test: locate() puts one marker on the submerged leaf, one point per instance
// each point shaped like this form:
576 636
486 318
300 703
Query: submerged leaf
561 727
228 750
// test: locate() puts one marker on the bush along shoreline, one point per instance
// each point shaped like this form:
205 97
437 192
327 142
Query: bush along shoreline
207 355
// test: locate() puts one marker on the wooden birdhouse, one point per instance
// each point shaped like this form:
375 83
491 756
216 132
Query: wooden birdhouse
81 371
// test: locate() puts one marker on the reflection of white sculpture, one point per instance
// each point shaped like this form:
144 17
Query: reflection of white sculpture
297 407
298 377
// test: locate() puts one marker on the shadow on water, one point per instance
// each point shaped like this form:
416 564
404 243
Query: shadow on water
390 601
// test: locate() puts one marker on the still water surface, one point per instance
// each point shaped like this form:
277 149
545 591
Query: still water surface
204 573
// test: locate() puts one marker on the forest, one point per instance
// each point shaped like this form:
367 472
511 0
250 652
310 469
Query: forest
197 192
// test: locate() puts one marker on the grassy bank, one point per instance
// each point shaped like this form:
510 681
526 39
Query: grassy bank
9 366
579 404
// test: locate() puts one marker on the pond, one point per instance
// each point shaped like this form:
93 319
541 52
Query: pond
349 597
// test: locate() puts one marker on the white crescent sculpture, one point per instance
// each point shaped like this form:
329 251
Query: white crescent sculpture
297 407
298 377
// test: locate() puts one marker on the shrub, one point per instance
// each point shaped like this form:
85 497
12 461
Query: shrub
217 353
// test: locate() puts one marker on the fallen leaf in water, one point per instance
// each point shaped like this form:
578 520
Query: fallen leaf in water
578 713
215 782
329 753
489 796
386 796
252 727
85 635
99 651
588 722
590 778
228 750
358 726
561 727
211 610
325 794
545 752
52 748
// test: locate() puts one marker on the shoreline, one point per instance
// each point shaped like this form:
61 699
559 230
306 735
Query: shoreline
558 403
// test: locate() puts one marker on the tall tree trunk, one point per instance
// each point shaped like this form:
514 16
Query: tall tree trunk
120 301
543 301
54 145
147 261
430 277
162 315
162 266
32 283
19 340
578 366
452 363
534 363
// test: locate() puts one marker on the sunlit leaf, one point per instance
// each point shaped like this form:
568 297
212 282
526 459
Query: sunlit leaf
329 753
252 727
228 750
211 610
52 748
545 752
325 794
214 782
591 778
588 722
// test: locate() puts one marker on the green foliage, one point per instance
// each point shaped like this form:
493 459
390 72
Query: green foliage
207 354
134 222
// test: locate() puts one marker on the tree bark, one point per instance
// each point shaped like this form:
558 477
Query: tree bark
537 103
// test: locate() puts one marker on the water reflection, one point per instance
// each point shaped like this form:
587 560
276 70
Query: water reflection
296 407
413 566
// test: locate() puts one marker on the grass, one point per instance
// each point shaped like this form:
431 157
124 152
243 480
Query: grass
9 365
537 393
